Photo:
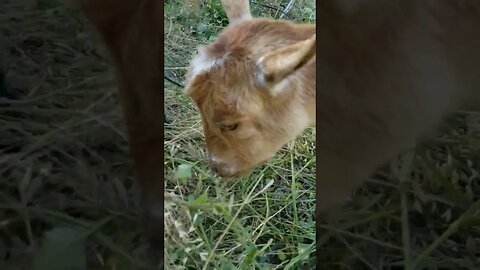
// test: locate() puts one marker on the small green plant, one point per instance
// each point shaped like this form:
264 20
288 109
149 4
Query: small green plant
213 18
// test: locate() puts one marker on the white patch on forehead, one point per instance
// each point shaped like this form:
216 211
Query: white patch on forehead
203 62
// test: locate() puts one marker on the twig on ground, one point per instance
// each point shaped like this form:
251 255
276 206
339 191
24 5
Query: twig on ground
173 81
287 8
274 8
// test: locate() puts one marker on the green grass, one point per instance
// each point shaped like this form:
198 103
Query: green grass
66 191
261 221
421 212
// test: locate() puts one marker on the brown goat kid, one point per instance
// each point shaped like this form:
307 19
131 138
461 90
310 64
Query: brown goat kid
254 87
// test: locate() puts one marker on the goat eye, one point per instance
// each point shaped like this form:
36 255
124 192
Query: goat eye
231 127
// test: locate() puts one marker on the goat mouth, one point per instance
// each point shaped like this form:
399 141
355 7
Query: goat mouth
262 162
240 173
232 175
227 175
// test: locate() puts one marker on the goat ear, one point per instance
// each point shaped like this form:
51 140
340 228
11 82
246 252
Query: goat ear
277 65
237 10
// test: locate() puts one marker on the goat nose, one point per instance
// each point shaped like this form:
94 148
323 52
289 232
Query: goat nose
214 163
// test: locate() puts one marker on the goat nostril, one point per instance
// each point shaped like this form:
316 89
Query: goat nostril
214 164
214 167
212 159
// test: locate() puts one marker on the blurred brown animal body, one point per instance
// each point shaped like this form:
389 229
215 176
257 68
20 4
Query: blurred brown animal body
132 32
388 72
254 87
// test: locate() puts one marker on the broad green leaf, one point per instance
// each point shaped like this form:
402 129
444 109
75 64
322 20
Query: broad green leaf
184 171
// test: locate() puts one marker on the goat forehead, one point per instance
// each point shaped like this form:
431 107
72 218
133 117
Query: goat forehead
223 106
222 86
204 63
226 68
